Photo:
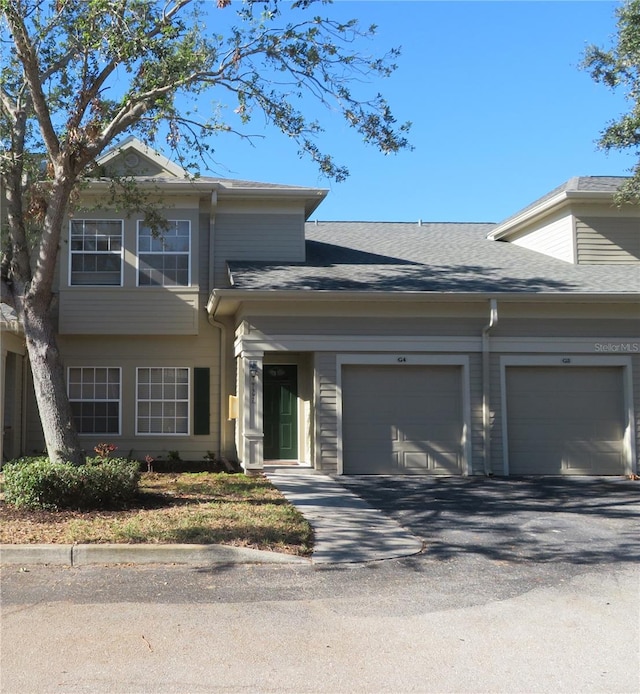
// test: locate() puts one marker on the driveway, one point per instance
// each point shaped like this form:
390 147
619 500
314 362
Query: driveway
576 520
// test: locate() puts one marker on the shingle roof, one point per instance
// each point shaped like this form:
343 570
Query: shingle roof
431 257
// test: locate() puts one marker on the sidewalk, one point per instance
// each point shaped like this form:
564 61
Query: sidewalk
346 530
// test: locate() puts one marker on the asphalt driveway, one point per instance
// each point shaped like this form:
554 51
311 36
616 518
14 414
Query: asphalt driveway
577 520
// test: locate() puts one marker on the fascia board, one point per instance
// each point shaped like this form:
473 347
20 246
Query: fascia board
515 224
311 196
227 301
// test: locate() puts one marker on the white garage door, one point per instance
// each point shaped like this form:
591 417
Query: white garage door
565 421
402 420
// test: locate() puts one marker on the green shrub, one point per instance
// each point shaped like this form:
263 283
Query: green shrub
37 483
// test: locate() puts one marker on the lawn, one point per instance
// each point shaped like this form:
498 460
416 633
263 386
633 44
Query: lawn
200 508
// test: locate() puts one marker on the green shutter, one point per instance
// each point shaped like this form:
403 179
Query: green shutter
201 402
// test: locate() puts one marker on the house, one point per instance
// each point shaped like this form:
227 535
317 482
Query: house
356 348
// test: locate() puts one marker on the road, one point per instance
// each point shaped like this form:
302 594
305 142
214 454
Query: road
465 623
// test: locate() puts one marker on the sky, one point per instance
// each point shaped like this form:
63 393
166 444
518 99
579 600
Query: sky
501 113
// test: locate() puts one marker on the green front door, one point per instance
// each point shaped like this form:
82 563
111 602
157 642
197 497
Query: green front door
280 412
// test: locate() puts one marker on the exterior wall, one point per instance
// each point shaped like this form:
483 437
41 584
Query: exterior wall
128 353
552 237
587 332
129 309
256 232
608 240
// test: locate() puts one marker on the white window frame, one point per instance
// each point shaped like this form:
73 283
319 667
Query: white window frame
106 399
162 400
73 252
163 253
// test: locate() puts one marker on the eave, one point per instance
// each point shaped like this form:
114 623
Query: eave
226 302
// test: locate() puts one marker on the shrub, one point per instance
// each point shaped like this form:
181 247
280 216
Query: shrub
37 483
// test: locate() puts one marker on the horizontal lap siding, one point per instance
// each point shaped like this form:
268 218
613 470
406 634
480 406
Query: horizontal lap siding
325 412
475 398
129 353
256 237
604 240
120 311
355 326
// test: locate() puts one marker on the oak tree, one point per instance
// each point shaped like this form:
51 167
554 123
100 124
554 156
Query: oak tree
618 67
78 75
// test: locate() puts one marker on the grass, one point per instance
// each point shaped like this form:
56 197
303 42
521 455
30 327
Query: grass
199 508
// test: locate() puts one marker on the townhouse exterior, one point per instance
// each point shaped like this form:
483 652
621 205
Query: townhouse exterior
245 330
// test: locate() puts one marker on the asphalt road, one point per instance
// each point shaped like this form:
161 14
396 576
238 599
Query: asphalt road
511 596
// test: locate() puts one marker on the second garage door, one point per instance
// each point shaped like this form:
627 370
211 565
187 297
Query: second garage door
402 420
564 421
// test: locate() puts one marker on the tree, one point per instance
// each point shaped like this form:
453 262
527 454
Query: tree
78 74
619 67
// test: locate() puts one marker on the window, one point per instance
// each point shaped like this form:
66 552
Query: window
96 252
163 400
94 394
163 256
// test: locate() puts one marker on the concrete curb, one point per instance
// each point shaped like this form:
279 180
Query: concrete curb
84 555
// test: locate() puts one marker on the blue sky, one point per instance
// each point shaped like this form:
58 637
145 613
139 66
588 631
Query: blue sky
501 113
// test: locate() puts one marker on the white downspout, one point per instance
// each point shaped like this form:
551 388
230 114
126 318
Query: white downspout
486 385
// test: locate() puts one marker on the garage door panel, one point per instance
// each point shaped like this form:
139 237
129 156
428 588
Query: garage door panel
565 420
402 420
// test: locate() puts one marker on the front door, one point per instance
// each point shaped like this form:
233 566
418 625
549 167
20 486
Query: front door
280 389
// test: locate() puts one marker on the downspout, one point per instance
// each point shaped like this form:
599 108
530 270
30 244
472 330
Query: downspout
486 385
222 351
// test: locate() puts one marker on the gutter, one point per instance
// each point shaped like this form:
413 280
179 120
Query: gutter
486 386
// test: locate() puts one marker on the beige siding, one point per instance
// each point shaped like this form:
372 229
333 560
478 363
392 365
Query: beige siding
294 325
326 412
120 311
559 327
475 399
131 353
274 236
496 465
552 237
608 240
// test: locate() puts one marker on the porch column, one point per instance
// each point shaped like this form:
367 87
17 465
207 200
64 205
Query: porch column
3 371
252 443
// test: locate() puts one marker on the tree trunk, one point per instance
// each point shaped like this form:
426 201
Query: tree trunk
61 438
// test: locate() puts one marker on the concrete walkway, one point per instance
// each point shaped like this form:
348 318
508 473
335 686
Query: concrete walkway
346 529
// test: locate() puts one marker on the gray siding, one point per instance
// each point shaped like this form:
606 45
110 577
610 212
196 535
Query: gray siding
606 240
258 237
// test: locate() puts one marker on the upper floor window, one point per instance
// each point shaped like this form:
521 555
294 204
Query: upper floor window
164 256
96 252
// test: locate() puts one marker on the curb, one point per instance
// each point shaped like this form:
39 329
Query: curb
87 554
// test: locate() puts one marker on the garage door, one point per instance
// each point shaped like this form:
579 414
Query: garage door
564 421
402 420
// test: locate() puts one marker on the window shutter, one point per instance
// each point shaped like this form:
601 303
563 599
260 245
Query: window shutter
201 402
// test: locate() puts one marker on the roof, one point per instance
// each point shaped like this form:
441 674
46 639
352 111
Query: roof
580 187
427 257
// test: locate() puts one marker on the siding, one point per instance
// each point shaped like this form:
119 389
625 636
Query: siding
325 412
120 311
130 353
256 237
353 326
607 240
554 238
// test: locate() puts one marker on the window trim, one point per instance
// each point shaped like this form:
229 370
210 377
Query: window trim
119 400
72 252
188 401
141 225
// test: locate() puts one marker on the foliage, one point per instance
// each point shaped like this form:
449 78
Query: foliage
619 68
79 75
38 483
